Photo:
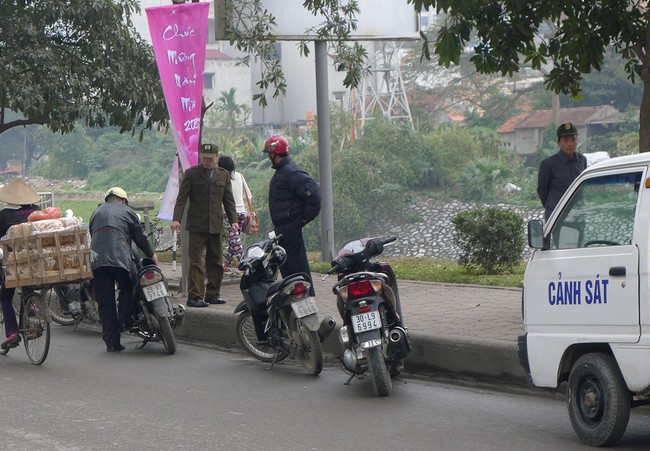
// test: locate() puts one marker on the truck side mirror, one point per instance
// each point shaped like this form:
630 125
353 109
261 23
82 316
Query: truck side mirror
536 234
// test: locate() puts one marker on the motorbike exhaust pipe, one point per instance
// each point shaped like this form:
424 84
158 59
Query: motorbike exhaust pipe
180 310
399 344
326 327
396 335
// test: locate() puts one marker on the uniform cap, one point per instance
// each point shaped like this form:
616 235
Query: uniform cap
566 129
18 192
209 150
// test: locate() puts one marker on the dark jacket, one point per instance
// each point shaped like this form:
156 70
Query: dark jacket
12 216
112 228
294 198
555 175
206 197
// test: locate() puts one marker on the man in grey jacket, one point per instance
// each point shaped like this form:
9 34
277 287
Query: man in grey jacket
113 226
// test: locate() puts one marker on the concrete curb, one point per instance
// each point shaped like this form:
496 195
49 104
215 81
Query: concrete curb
459 356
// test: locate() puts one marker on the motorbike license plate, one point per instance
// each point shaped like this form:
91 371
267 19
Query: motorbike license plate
155 291
366 321
305 307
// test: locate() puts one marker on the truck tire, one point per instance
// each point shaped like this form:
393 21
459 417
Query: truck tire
599 401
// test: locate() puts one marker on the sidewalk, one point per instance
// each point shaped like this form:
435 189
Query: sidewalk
455 329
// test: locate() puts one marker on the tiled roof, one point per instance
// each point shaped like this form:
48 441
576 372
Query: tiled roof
510 125
542 118
216 54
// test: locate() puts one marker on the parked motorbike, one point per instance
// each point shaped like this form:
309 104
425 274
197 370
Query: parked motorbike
278 318
155 315
71 304
373 334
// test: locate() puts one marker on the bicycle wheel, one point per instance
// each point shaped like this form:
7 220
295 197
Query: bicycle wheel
3 333
35 328
51 299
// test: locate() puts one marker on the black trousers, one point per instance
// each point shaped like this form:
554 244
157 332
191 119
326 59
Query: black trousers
297 261
104 280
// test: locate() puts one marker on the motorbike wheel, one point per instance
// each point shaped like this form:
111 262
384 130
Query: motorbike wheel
381 382
247 338
166 334
51 299
310 352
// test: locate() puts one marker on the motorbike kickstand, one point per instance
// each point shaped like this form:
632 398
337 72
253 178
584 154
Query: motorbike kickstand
143 343
76 323
275 359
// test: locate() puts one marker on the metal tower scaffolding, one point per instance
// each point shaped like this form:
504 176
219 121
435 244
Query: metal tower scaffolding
383 87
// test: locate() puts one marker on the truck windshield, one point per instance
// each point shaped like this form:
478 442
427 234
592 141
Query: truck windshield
600 212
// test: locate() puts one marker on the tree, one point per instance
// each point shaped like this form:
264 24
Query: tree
250 29
63 62
231 111
510 34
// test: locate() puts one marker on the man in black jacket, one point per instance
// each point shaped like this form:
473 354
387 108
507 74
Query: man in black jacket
294 201
558 171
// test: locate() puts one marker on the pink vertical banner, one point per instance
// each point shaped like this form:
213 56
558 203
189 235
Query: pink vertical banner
179 36
166 211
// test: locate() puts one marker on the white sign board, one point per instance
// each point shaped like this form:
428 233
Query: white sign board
377 20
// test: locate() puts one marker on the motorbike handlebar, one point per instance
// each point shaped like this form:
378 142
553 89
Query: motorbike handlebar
334 269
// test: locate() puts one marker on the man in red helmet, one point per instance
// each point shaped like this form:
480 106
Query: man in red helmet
294 201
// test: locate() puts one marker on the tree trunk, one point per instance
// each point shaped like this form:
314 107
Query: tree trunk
555 98
644 114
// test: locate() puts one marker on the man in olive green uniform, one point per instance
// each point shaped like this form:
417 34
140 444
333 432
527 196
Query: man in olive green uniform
207 188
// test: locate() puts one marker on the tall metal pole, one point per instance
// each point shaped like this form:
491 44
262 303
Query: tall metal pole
324 153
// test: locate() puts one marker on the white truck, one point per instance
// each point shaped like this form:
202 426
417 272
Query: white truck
586 298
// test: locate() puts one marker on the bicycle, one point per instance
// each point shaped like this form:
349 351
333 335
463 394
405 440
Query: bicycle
33 325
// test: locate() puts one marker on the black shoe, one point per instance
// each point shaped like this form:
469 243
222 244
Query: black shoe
197 302
117 348
215 301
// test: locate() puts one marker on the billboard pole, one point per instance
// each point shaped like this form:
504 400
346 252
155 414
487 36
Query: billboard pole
324 153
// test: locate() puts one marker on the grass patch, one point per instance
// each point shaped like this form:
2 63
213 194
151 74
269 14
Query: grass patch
83 208
441 271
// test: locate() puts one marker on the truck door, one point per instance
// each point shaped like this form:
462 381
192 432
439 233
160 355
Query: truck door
586 280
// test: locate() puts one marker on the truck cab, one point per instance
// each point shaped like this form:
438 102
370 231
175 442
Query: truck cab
586 298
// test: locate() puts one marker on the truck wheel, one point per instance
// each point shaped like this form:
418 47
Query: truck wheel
599 401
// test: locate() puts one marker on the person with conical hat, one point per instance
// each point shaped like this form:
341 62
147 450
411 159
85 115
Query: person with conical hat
20 200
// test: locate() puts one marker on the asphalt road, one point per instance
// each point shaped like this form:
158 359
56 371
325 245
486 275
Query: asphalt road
83 398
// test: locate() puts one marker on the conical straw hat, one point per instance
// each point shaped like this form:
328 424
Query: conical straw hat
18 192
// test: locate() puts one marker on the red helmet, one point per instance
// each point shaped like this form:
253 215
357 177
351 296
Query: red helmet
277 144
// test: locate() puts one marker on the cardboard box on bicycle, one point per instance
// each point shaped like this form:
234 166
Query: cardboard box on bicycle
46 252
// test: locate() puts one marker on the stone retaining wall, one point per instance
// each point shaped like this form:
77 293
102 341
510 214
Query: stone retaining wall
431 235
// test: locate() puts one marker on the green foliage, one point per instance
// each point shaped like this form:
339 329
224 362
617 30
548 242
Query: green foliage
446 152
490 239
441 271
63 62
481 178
